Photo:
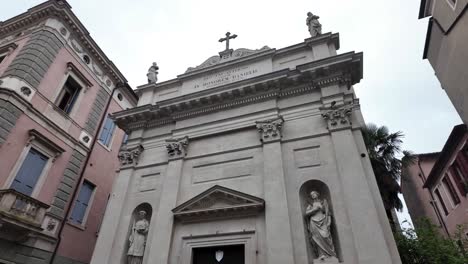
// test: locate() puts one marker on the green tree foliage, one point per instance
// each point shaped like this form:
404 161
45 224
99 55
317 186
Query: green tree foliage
426 246
384 150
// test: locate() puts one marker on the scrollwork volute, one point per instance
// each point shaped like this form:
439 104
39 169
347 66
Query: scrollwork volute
130 155
270 130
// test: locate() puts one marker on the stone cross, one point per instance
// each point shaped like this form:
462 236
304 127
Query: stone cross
227 38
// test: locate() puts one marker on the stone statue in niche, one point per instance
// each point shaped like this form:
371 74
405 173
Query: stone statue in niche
153 73
315 28
137 239
319 221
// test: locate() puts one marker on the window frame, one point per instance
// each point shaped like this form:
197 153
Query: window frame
22 157
459 178
450 191
88 208
441 201
76 104
112 135
3 55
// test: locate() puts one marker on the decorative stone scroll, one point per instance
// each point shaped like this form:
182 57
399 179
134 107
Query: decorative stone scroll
177 148
218 59
270 130
130 155
338 117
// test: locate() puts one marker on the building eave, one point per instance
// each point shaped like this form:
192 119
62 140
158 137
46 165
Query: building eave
422 8
62 10
428 37
451 146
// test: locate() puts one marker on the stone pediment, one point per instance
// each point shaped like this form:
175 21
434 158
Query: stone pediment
218 59
218 202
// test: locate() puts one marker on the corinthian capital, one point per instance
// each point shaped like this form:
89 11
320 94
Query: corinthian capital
270 130
130 155
338 117
177 148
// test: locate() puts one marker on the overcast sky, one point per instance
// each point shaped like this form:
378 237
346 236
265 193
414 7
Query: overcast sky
399 89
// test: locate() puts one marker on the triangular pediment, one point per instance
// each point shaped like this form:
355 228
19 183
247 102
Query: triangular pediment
216 202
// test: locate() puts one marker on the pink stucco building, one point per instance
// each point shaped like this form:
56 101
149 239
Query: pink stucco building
436 185
58 146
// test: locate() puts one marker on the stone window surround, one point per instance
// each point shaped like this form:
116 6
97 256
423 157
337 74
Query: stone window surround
446 200
83 226
447 193
7 50
246 238
46 147
84 88
111 142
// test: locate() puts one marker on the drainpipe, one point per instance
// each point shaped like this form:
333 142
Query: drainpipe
433 202
82 173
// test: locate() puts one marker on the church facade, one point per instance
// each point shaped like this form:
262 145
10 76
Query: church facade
254 156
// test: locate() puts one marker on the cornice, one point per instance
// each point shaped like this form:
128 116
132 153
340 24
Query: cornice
62 10
285 83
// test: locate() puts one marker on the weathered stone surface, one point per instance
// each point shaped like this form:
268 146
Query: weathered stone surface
65 188
96 111
35 58
9 114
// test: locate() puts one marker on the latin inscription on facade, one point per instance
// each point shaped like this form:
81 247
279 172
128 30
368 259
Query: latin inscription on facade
225 77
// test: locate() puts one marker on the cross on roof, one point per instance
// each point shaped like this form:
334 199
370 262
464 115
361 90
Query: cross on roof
227 38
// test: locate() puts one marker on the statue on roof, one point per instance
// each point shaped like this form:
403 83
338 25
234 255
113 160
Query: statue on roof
153 73
315 28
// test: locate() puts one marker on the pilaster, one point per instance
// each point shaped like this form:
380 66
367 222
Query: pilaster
159 249
104 248
278 227
369 240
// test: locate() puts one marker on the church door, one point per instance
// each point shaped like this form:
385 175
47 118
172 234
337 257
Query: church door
219 255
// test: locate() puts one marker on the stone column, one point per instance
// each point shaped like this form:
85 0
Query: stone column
278 227
158 252
368 235
107 234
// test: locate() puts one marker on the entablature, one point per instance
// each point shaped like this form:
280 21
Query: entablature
344 69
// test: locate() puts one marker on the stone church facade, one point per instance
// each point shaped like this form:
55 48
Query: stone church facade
226 156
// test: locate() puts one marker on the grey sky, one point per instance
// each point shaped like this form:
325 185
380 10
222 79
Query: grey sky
399 89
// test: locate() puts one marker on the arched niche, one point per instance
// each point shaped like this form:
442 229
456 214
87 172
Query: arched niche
305 198
146 207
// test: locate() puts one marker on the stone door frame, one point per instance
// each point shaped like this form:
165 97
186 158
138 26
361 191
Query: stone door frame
246 238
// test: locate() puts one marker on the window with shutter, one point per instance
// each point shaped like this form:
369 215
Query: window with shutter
107 132
29 172
82 202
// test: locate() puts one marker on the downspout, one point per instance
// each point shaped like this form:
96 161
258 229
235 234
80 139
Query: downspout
80 179
433 202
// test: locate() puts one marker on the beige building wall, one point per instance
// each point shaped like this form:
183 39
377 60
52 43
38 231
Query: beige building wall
445 48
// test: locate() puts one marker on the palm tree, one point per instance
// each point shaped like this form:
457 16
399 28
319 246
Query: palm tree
384 148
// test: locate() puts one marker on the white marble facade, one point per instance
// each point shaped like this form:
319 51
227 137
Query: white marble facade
231 150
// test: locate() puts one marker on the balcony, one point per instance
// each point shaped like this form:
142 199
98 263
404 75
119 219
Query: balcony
20 214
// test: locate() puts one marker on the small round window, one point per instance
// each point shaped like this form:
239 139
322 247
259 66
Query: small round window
119 96
86 59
